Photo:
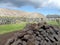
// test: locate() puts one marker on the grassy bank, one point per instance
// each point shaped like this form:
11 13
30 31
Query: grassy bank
11 27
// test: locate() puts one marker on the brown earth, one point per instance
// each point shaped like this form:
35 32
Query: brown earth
4 37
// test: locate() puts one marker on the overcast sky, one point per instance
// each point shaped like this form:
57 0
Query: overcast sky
41 6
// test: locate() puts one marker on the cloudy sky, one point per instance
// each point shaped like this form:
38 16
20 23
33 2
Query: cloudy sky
41 6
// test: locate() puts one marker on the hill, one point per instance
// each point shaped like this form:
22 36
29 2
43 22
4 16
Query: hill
18 13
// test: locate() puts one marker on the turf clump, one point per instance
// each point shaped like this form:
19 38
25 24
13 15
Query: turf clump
36 34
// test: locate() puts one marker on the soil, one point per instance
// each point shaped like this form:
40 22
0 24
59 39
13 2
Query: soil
5 37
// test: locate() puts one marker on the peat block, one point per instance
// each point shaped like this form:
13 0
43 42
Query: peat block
36 34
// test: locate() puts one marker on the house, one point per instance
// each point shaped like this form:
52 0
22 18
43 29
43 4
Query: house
53 17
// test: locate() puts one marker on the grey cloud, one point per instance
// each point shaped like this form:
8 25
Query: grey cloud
20 3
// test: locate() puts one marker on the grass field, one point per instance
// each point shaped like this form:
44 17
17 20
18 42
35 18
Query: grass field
11 27
14 27
53 23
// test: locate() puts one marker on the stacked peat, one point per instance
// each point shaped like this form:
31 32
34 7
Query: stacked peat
36 34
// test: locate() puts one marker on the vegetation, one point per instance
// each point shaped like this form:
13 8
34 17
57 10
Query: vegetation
53 23
19 26
11 27
14 20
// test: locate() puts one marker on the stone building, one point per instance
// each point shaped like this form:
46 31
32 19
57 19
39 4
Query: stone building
53 17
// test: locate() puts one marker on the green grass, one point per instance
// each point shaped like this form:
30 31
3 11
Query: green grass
14 27
11 27
53 23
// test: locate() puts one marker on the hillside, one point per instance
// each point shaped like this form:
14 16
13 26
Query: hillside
16 13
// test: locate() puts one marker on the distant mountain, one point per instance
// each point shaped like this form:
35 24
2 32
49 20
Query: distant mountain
17 13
